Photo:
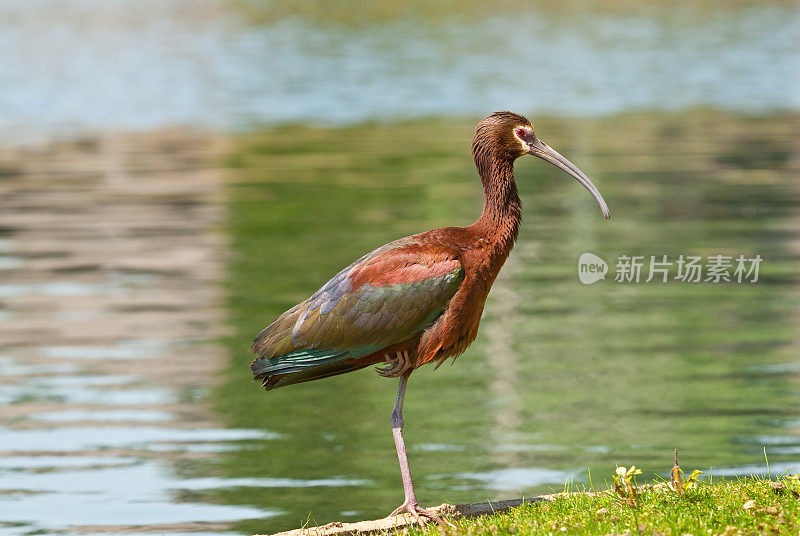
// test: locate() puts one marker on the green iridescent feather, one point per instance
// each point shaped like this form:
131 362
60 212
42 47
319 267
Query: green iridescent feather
323 335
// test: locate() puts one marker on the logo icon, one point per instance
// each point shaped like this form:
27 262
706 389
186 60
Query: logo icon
591 268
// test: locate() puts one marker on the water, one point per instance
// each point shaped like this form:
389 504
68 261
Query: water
106 342
113 263
74 65
111 313
565 378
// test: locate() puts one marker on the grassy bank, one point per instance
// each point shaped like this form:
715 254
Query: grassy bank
728 508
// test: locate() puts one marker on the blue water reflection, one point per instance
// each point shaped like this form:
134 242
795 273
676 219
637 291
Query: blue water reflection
76 64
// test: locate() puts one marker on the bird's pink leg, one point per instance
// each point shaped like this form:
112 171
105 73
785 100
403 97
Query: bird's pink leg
410 504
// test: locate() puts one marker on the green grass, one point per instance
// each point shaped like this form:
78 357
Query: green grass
735 507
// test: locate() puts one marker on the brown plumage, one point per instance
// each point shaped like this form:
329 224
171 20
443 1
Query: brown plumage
418 299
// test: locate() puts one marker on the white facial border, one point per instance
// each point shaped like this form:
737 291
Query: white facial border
525 146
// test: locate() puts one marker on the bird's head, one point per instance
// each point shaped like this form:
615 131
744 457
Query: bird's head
507 136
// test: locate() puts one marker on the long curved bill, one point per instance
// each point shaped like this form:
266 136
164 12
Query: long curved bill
541 150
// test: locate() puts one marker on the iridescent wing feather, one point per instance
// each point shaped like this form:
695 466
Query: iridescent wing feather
384 298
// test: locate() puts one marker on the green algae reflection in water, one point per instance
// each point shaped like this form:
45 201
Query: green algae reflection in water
563 376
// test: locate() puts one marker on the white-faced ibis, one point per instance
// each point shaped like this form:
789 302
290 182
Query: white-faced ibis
416 300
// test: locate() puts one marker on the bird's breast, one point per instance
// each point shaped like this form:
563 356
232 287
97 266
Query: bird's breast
458 326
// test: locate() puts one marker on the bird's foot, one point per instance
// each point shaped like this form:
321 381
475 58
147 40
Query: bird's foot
416 512
397 365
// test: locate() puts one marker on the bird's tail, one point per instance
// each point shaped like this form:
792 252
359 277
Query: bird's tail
305 366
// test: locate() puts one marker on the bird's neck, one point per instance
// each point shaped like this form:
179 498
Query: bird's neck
499 222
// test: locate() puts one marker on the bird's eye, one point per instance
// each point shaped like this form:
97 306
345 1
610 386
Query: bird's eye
521 132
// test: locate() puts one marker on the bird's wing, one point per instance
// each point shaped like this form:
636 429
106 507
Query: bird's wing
381 299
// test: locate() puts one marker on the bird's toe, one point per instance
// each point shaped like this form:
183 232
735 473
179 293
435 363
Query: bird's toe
419 514
396 366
